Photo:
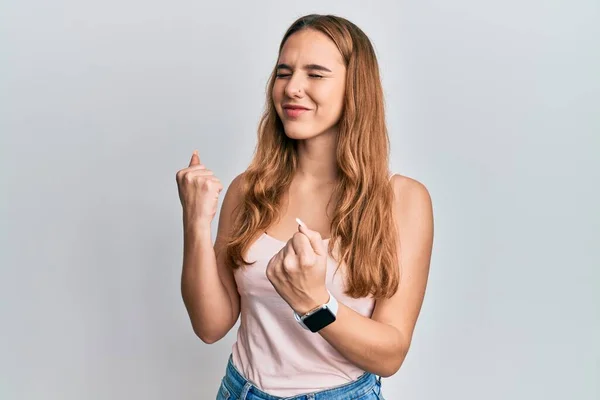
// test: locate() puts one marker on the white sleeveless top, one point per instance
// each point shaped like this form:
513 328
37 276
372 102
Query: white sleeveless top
272 350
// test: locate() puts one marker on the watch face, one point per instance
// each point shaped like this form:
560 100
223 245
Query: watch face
319 320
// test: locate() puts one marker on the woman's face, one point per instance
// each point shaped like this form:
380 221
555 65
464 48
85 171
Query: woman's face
309 88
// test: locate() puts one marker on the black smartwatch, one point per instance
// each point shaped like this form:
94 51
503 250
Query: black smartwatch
319 317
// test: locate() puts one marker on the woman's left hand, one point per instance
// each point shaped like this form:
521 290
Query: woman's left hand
298 271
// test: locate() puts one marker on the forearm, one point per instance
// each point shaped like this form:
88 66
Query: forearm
204 295
371 345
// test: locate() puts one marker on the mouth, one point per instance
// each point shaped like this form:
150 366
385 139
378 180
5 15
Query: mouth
294 111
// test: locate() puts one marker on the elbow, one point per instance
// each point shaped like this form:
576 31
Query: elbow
211 332
395 362
389 371
391 367
207 337
208 340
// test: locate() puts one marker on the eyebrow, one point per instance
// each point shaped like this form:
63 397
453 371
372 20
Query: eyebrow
316 67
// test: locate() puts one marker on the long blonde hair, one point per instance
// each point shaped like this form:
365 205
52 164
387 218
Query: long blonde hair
362 224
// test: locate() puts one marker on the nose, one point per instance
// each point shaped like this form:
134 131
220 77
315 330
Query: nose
295 86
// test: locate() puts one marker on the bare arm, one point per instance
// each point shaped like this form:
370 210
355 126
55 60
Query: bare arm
208 287
380 344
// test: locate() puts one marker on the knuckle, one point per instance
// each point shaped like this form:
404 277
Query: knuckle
303 260
289 261
188 178
269 273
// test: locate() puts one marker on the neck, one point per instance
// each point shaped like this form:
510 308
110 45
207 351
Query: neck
317 159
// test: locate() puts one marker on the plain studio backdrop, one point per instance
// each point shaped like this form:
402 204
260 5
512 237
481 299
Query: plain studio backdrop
494 106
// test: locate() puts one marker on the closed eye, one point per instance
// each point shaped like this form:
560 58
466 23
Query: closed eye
310 75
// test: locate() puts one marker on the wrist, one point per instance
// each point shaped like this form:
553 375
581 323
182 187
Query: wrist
319 300
196 230
195 220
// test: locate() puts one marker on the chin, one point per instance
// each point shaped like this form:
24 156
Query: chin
296 132
293 131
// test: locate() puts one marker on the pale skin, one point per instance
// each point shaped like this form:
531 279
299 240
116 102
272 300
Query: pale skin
378 344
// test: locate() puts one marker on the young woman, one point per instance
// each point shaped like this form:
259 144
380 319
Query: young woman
323 254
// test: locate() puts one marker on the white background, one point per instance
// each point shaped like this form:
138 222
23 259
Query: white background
494 106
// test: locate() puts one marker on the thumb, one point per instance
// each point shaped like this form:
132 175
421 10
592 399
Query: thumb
316 241
195 159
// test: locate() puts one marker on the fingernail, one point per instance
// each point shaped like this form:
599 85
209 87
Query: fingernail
298 220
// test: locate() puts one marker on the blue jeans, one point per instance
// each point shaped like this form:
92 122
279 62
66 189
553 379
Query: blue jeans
235 387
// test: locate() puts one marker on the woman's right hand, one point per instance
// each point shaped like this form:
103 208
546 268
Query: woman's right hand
198 192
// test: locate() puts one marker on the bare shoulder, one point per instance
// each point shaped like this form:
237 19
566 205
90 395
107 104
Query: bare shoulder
232 196
409 192
231 201
413 208
236 183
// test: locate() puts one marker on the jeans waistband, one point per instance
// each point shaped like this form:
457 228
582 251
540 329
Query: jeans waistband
241 387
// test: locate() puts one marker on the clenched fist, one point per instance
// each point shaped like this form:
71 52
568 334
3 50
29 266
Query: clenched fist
198 192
